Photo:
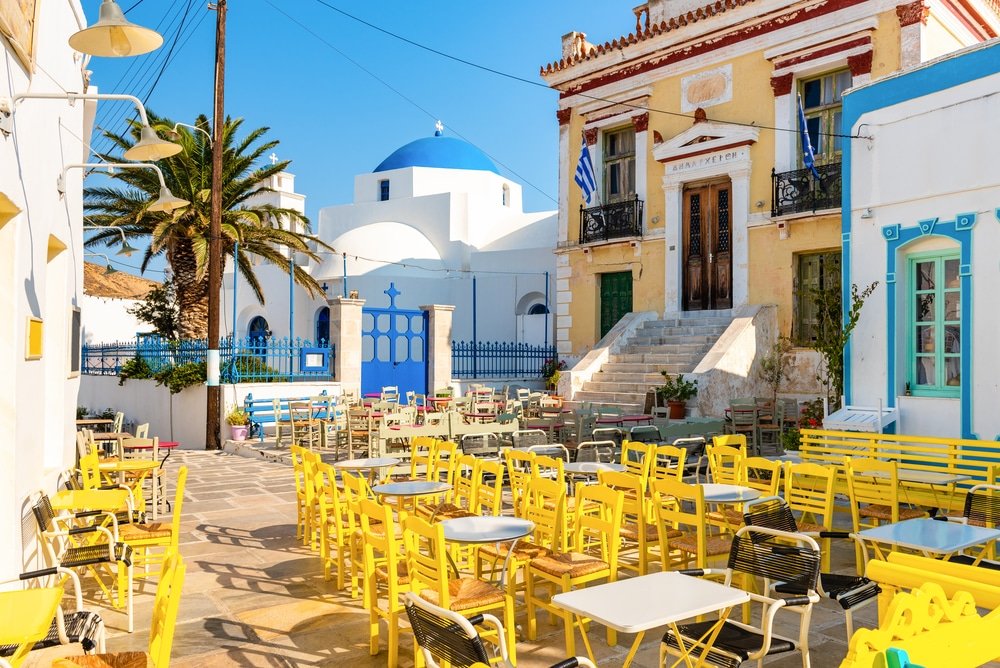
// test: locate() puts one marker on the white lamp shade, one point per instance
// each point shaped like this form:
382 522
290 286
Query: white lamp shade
166 202
114 35
151 147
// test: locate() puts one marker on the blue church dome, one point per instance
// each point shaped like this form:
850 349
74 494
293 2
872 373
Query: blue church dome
438 151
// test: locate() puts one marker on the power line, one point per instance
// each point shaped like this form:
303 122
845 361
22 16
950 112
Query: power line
538 84
404 97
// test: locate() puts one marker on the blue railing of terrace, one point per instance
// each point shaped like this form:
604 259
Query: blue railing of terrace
484 359
243 360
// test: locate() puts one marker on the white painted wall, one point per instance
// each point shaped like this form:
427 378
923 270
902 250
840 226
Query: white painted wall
106 319
41 275
932 157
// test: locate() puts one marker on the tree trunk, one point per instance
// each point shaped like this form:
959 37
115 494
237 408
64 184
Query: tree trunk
192 294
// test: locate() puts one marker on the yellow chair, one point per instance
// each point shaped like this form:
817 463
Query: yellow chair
25 618
809 492
637 458
726 464
312 486
426 560
873 487
298 471
683 534
335 531
355 489
152 542
518 473
639 533
385 571
489 488
596 528
763 475
461 501
161 631
422 454
668 462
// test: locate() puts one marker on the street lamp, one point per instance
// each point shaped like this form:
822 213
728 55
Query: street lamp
108 270
165 203
114 35
175 135
126 250
149 146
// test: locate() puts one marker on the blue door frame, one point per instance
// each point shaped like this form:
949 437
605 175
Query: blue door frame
393 347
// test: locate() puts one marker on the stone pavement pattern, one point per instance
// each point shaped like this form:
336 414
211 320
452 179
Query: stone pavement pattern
255 597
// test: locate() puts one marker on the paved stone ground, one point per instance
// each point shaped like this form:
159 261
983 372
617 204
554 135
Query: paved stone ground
255 597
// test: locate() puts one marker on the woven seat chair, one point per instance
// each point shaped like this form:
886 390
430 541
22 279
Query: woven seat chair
763 475
443 635
596 451
355 488
485 445
695 462
335 533
518 473
794 560
637 458
850 591
161 631
426 559
683 530
593 556
298 472
109 553
461 499
982 509
726 463
79 626
668 462
639 533
152 541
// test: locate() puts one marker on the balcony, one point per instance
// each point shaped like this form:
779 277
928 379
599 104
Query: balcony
798 191
611 221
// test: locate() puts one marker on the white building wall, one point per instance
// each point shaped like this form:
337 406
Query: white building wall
106 319
931 157
41 275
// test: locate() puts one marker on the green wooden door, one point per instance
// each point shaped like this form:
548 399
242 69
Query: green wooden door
616 298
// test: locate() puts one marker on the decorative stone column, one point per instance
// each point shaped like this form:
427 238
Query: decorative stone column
438 346
345 335
912 17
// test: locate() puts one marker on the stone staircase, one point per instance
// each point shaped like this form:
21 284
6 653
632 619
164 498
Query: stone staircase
676 344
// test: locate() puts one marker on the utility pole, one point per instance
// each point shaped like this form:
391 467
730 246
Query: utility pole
214 407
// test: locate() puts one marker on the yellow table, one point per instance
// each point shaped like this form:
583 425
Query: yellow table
142 468
25 618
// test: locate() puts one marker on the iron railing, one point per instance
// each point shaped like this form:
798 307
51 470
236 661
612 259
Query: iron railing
611 221
799 191
246 360
483 359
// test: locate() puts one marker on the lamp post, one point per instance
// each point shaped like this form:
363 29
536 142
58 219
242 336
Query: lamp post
214 408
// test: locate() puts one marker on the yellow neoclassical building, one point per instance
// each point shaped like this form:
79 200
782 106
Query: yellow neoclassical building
691 119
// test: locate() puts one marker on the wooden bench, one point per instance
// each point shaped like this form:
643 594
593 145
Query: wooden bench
980 460
274 411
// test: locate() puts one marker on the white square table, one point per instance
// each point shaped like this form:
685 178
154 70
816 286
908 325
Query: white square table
932 538
636 605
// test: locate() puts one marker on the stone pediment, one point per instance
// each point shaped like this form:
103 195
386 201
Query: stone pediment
704 137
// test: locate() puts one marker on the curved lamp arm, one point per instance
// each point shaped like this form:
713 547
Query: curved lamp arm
165 202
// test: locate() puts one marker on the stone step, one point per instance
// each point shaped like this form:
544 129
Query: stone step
657 363
680 339
686 348
684 322
665 350
610 376
636 399
625 407
710 330
647 369
618 386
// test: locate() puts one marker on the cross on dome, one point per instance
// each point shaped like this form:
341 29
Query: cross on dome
438 128
273 158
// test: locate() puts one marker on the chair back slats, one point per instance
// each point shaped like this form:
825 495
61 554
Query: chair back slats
518 474
636 458
772 513
873 482
426 552
445 639
544 504
544 466
809 491
489 488
464 482
778 562
668 462
44 514
165 608
598 521
596 451
764 475
726 464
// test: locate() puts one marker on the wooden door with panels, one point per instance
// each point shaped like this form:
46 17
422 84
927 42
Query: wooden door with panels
707 247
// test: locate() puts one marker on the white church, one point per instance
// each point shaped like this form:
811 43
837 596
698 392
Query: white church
437 221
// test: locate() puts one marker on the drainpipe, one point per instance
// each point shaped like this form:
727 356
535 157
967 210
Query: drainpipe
546 309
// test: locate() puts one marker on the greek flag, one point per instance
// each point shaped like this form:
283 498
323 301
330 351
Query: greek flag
585 174
808 156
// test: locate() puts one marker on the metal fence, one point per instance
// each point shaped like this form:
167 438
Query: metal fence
483 359
243 360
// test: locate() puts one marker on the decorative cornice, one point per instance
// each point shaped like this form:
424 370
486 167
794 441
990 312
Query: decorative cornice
563 115
781 85
591 135
912 13
641 122
860 63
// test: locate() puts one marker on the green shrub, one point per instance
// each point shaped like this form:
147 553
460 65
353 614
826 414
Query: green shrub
177 378
136 367
244 367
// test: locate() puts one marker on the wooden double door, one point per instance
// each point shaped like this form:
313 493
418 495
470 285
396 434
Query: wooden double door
707 255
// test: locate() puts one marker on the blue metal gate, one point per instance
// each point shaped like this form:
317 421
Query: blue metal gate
393 347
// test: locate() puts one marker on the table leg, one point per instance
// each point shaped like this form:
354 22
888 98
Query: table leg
707 639
586 640
632 650
506 562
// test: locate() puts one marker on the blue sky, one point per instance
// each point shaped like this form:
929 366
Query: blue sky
333 119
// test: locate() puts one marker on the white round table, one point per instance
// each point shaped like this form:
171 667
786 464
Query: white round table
411 488
720 493
488 529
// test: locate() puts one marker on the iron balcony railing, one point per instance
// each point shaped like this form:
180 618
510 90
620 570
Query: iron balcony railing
483 359
611 221
799 191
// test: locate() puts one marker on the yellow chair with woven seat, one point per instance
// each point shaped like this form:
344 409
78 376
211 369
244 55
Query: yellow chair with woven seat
152 542
639 534
518 473
426 559
423 452
385 570
461 500
335 533
355 488
763 475
667 462
726 464
298 471
873 488
489 488
596 529
312 488
637 458
161 630
809 492
683 528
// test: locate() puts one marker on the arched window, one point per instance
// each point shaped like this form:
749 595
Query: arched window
537 309
322 326
258 329
506 195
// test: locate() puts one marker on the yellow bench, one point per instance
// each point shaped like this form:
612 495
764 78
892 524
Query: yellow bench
980 460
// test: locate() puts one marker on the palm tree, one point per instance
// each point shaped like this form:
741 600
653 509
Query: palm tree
263 231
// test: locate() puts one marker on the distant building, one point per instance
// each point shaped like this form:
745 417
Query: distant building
922 217
106 302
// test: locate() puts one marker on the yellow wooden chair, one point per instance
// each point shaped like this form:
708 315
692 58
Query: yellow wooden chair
518 473
335 533
312 486
637 458
423 452
873 487
763 475
298 471
161 630
639 534
461 500
809 493
667 462
426 560
726 464
151 542
683 529
355 488
385 572
596 529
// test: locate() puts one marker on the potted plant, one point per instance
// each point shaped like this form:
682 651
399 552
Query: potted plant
551 371
239 423
675 392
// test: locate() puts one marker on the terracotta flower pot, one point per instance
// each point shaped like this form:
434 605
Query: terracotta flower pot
239 431
677 409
